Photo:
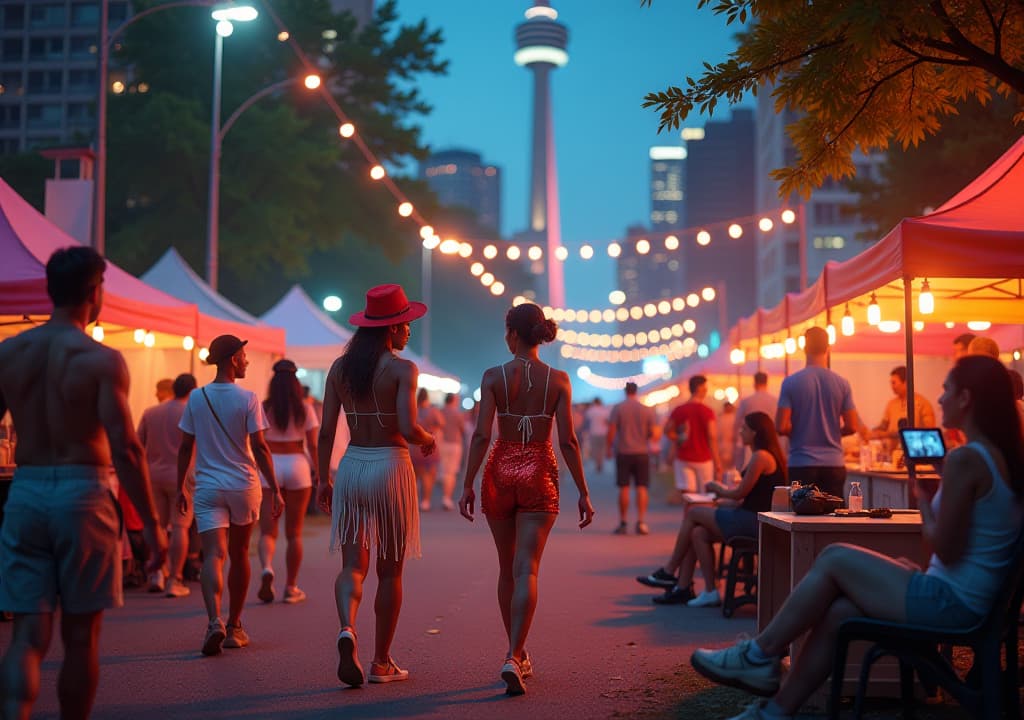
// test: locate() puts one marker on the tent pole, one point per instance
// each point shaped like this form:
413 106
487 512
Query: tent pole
908 335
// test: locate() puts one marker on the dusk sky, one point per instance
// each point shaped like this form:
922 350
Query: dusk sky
618 51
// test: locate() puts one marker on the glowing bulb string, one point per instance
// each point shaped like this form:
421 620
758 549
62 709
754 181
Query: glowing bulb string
636 312
405 208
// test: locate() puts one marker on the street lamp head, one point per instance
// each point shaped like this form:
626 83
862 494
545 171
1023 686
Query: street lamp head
225 28
235 13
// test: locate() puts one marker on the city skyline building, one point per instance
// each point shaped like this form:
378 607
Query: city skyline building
668 181
719 186
541 43
49 72
460 178
827 226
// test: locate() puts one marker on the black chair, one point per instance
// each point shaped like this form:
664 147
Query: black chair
741 568
988 691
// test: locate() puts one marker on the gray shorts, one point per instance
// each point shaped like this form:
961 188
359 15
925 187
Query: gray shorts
932 601
61 538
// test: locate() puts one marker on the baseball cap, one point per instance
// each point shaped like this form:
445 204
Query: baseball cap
223 347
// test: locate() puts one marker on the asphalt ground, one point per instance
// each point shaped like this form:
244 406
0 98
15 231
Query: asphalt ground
601 649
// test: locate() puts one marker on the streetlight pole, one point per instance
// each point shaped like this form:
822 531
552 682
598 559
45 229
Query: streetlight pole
213 199
217 134
99 217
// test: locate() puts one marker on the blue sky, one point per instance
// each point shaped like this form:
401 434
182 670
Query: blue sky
618 51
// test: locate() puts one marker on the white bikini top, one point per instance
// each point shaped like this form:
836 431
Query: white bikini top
373 391
525 425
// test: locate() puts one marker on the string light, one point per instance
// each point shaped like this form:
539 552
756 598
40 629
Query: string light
561 252
535 253
636 312
377 172
347 130
614 249
671 242
675 350
513 252
643 337
703 238
926 301
586 252
735 231
874 312
97 333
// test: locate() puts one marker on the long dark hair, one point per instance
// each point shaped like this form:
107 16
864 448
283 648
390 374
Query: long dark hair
359 361
993 410
284 400
765 437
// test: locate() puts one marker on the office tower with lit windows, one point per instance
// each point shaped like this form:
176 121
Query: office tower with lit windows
48 72
719 187
830 225
461 179
668 178
541 43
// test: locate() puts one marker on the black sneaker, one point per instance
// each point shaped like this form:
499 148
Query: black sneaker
658 579
622 529
675 596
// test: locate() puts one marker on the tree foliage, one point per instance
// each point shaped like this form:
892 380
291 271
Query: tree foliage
916 179
290 188
859 73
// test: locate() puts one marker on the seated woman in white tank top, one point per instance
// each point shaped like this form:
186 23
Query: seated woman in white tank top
973 523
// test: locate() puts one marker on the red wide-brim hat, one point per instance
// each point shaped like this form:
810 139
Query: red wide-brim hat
387 305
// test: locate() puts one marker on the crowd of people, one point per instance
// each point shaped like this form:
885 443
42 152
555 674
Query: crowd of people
209 465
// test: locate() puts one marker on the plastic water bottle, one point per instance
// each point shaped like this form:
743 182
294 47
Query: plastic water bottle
855 502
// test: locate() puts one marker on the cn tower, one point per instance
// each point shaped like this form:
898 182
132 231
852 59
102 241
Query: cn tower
541 41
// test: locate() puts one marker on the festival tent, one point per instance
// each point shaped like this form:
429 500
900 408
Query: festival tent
149 326
970 251
315 341
219 316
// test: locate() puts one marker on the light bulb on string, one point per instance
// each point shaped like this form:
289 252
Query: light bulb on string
926 301
846 325
874 311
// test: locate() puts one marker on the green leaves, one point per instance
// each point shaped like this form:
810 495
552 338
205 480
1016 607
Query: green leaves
862 73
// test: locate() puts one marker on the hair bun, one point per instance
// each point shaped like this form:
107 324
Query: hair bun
544 331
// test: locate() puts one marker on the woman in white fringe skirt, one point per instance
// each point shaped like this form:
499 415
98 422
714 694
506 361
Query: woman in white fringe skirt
373 501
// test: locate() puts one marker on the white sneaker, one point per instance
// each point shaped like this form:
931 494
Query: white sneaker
708 598
733 666
176 589
156 582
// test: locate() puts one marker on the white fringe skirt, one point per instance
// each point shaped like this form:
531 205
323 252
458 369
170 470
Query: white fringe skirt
375 502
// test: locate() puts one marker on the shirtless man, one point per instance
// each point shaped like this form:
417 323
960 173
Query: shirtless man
68 396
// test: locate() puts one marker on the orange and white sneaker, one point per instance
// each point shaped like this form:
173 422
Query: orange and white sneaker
387 672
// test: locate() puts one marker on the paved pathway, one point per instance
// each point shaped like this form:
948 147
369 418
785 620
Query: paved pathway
600 648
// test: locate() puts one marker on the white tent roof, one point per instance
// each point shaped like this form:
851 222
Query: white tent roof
176 277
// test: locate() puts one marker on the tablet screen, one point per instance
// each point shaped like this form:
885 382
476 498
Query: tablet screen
922 443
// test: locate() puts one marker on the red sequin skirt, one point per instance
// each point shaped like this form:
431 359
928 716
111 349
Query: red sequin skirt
519 477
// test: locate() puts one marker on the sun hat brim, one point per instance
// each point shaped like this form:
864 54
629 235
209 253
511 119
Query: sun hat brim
415 311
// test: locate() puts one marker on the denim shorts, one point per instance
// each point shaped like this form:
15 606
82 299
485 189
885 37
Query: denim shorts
736 522
60 542
932 601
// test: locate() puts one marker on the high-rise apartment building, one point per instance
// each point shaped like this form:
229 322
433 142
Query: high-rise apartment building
719 187
48 71
461 179
668 178
829 226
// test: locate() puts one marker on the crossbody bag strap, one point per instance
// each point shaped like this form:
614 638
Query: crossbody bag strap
217 418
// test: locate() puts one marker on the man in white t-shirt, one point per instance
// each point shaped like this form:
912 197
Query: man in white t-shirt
225 424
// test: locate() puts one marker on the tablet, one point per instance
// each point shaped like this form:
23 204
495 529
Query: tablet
922 444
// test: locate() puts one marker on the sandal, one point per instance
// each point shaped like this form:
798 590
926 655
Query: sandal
350 671
512 674
389 672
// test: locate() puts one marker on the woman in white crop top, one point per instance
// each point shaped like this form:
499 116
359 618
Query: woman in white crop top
519 493
973 524
292 438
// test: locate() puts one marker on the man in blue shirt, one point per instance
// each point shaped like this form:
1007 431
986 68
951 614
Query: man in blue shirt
815 410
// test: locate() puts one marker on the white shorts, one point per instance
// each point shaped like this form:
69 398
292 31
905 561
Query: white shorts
216 508
693 476
292 472
451 458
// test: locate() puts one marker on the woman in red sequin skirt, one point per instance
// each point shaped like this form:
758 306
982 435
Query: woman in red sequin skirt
519 493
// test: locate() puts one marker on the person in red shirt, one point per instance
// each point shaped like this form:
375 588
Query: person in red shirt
692 430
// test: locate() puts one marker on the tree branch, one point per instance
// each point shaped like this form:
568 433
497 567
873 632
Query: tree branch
986 61
931 58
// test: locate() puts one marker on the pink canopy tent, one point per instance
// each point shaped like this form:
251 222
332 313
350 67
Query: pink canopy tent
27 239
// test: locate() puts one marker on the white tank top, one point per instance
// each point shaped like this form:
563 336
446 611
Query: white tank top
995 526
